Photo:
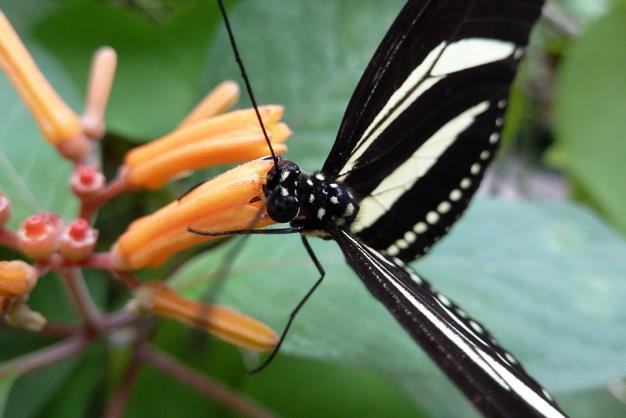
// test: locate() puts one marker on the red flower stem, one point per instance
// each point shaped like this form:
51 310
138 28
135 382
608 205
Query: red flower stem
117 404
114 188
203 384
52 354
79 294
8 238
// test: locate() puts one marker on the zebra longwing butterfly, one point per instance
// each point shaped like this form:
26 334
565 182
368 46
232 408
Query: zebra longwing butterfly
421 127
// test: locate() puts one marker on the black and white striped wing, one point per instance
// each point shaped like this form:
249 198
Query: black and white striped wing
489 376
426 117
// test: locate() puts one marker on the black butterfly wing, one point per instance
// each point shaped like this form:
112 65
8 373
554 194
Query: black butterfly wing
426 117
489 376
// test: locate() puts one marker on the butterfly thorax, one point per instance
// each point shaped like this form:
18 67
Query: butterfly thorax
311 201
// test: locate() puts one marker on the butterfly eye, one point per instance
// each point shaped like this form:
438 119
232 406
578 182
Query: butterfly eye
283 208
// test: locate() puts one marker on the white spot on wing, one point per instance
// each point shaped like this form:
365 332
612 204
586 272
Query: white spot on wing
420 227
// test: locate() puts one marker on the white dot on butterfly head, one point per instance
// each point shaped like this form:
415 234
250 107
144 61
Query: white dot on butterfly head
466 183
455 195
444 207
432 217
320 213
393 250
420 227
410 237
334 185
309 182
475 168
311 198
284 175
284 192
484 155
501 103
334 200
495 137
320 177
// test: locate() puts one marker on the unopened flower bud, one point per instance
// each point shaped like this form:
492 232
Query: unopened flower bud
219 100
22 316
225 323
57 121
232 137
16 278
78 240
38 237
228 202
87 182
5 210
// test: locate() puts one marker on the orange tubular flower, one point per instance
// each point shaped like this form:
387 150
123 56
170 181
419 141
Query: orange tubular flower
229 138
219 100
16 279
228 202
57 122
225 323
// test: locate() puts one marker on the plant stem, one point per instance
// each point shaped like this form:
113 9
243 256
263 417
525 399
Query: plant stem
203 384
46 356
117 404
79 294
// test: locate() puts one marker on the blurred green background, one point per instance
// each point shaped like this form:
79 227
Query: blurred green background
539 258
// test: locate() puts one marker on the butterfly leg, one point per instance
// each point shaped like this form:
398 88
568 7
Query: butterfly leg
300 304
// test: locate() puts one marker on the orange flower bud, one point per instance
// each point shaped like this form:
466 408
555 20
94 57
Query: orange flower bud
228 202
38 237
57 122
16 278
100 81
78 240
230 138
225 323
219 100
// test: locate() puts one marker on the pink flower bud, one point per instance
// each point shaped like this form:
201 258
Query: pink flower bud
38 237
78 240
87 182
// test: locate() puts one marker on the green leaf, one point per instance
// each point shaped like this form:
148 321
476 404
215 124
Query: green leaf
307 56
159 65
29 395
297 387
547 280
6 383
589 115
32 174
74 398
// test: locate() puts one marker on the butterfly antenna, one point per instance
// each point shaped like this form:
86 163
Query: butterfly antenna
244 75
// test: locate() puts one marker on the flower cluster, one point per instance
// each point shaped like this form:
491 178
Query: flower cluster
210 135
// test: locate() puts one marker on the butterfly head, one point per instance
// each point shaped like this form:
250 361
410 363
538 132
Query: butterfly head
281 189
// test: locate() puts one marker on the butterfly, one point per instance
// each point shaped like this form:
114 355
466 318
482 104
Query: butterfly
420 129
